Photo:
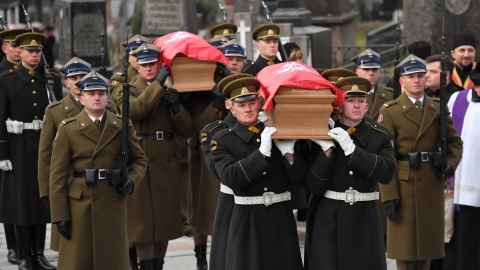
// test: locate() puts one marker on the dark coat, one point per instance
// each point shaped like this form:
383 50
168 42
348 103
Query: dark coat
23 97
6 65
376 100
342 235
154 210
98 213
418 231
255 67
223 212
451 88
259 237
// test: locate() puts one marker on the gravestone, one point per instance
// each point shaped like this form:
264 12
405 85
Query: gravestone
244 22
161 17
79 27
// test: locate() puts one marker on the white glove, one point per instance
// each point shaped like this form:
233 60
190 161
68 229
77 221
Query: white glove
331 123
285 146
266 144
262 117
343 139
6 165
325 144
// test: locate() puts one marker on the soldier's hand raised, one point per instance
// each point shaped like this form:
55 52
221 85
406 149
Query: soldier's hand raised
266 138
163 74
285 146
65 228
343 139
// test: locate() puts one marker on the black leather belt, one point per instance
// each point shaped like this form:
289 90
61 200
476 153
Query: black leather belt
425 156
156 136
100 174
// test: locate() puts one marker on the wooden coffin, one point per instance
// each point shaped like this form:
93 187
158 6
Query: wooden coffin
301 113
190 75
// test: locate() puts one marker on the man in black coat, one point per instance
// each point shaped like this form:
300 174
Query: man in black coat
434 67
268 38
23 99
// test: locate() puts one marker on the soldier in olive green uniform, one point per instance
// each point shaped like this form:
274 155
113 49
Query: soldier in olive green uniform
154 211
23 99
414 199
10 61
88 206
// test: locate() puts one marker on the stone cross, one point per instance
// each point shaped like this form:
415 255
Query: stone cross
244 22
243 30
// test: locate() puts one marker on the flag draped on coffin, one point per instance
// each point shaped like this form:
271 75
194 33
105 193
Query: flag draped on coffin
293 74
187 44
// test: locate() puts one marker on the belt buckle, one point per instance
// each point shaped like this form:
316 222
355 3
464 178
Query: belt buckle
268 198
159 135
36 124
102 174
350 196
424 156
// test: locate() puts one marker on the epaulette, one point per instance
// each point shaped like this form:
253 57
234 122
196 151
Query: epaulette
391 102
6 73
53 104
248 66
223 132
68 120
436 99
388 88
119 116
376 126
53 72
210 129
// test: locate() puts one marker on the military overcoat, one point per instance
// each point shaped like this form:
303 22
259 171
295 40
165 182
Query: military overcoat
98 213
375 100
418 231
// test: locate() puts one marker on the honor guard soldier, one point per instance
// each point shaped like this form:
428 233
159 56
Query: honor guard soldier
267 37
157 116
463 53
225 29
343 179
368 67
333 75
87 192
259 172
11 49
23 99
235 54
414 199
10 62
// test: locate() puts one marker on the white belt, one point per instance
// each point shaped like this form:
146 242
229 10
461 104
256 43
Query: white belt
268 198
35 125
351 196
225 189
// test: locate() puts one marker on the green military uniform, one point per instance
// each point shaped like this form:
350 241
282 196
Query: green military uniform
376 99
98 213
417 232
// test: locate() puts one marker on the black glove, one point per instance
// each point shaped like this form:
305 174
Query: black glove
46 202
221 72
173 99
163 74
391 207
127 188
65 228
445 172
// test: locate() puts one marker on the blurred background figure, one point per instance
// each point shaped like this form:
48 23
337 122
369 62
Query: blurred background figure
293 51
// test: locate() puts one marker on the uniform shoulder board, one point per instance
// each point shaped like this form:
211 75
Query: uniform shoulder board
55 73
224 132
436 99
119 116
389 103
210 129
54 104
388 88
68 120
248 66
376 126
5 73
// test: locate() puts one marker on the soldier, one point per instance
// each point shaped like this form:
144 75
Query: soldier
88 203
463 54
157 116
368 67
343 217
23 99
267 37
10 48
258 173
414 199
10 61
434 68
235 54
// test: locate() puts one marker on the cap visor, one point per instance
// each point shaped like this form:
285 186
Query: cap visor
414 70
369 65
147 60
249 97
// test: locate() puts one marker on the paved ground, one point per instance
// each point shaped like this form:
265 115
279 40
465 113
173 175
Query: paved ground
180 255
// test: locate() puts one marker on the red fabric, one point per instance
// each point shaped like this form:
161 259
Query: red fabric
293 74
188 44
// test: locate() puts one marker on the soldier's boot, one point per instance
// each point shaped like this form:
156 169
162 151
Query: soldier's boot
201 255
148 264
9 230
22 238
159 264
39 261
132 255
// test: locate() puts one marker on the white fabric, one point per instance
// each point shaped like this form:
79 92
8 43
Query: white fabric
267 199
343 139
6 165
266 138
285 146
467 181
325 144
